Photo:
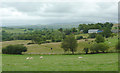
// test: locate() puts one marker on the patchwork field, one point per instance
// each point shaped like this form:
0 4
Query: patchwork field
91 62
45 48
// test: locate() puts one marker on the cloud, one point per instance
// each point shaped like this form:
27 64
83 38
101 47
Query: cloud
59 12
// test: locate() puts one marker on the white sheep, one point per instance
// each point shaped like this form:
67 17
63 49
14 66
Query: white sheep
80 57
41 57
31 57
28 58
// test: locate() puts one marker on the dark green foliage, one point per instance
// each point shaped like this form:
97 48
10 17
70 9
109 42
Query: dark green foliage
107 32
61 30
29 43
58 40
74 30
100 26
6 36
30 29
86 50
97 47
118 45
79 37
99 38
92 35
103 47
67 31
14 49
69 43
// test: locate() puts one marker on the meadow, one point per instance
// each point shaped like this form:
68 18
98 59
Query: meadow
58 60
45 48
90 62
13 30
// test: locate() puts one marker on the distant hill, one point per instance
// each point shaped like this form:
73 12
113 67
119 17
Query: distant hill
49 26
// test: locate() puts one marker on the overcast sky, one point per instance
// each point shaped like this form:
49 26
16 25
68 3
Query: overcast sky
31 12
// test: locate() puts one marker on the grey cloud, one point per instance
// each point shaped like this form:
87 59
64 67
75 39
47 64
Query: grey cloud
48 13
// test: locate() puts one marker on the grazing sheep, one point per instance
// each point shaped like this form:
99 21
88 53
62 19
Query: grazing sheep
80 57
41 57
31 57
27 58
109 42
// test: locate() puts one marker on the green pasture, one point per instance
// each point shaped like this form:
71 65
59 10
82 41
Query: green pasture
90 62
45 48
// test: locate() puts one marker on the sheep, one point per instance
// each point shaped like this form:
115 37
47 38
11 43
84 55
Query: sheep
80 57
31 57
28 58
41 57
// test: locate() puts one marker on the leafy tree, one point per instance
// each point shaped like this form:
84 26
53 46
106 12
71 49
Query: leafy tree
99 38
69 43
118 45
107 32
67 31
92 35
79 37
86 50
103 47
14 49
61 30
95 48
80 27
74 30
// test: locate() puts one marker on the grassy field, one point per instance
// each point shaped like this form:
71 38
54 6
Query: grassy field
0 63
90 62
13 30
45 48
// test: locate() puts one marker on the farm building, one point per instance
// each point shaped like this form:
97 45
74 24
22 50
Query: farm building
94 31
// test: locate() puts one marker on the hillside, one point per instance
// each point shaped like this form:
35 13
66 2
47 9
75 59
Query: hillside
45 48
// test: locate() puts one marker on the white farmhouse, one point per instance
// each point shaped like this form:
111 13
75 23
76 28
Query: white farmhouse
93 30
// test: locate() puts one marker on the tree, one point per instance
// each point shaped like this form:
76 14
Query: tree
14 49
99 38
74 30
118 45
92 35
69 43
67 31
61 30
79 37
103 47
86 50
107 32
99 47
94 48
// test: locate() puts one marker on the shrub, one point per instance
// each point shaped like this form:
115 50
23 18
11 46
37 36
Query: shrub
118 45
14 49
92 35
86 50
79 37
47 41
99 39
95 48
58 40
29 43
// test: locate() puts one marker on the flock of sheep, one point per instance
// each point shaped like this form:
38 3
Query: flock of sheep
29 58
41 57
